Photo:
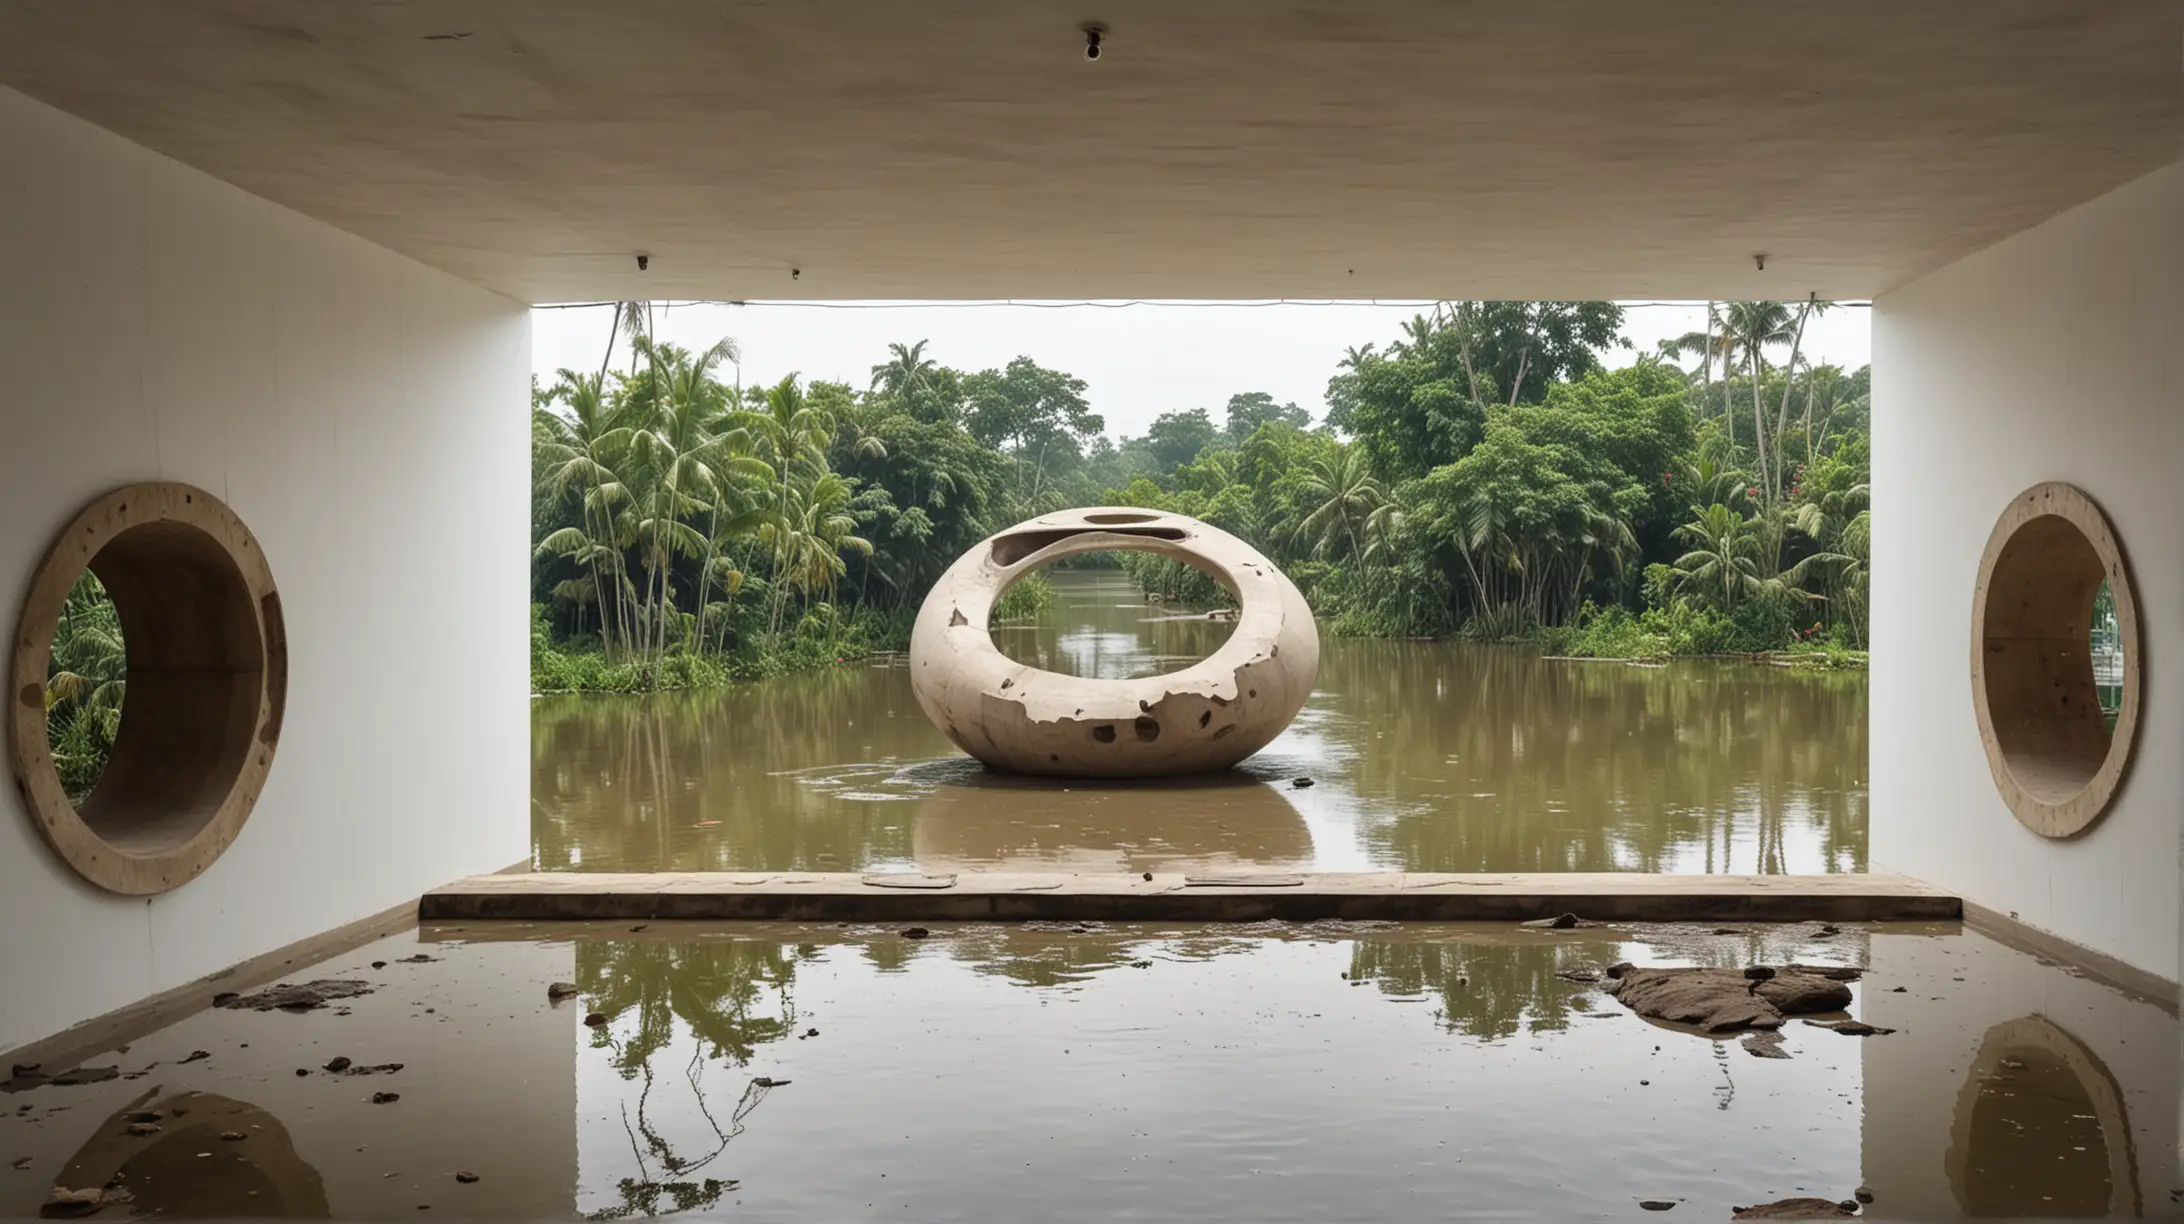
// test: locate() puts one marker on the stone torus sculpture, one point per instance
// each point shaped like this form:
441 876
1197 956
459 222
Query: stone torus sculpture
1205 717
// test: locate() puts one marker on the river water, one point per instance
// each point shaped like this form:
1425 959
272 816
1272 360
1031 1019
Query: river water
1425 756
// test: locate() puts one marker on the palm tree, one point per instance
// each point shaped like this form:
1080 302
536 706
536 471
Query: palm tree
679 450
1723 562
632 320
1751 328
909 371
810 532
86 679
1708 345
1811 307
794 434
1841 528
1340 491
572 451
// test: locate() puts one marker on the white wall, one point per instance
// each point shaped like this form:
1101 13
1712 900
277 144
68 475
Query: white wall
2050 356
367 416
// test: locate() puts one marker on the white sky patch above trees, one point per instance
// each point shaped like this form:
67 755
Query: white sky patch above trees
1138 361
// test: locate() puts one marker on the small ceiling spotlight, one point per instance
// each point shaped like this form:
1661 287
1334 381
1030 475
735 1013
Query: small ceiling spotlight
1760 261
644 262
796 274
1093 33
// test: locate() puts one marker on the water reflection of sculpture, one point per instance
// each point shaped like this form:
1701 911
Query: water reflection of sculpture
996 821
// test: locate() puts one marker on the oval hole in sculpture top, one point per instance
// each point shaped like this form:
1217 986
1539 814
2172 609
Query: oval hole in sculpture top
1109 520
1097 615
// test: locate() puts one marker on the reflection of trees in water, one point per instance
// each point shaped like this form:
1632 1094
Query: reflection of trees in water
1038 956
1463 758
623 784
1501 761
732 997
1487 991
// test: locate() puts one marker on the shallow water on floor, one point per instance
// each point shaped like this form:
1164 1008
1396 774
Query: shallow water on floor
1425 756
987 1072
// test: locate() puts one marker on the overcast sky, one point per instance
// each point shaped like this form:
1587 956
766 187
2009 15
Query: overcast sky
1138 361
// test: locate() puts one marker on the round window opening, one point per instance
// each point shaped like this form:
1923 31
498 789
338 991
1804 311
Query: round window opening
149 672
2055 666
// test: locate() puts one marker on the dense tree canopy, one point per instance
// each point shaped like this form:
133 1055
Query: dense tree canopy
1487 473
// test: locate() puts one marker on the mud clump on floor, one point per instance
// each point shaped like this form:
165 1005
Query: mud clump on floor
66 1204
291 997
1833 973
1560 922
1764 1043
1798 1209
30 1075
1724 1000
342 1064
1852 1028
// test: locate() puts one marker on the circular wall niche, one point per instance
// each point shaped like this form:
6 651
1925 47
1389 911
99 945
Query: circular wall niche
207 677
2054 756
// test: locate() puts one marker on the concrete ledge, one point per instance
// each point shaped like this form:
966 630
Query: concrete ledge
1232 897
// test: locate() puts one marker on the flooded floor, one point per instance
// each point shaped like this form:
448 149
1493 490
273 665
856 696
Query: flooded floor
1425 756
1005 1073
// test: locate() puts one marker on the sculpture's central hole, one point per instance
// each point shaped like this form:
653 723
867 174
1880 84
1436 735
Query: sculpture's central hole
1113 615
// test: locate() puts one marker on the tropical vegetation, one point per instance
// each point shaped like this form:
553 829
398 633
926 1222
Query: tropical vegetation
1485 475
86 675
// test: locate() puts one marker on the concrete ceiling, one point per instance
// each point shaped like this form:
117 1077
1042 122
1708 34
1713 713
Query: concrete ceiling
1220 148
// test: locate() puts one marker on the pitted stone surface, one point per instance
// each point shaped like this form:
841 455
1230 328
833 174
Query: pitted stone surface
1205 717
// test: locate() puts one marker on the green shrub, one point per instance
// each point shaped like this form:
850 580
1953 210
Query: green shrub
1606 633
1028 597
1173 580
820 637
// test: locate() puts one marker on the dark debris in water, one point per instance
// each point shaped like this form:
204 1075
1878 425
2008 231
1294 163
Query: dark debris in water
1725 1000
1560 922
1852 1028
1765 1043
30 1075
1798 1209
290 997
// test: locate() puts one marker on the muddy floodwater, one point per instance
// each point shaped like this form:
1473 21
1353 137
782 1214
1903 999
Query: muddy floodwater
1424 756
1309 1072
